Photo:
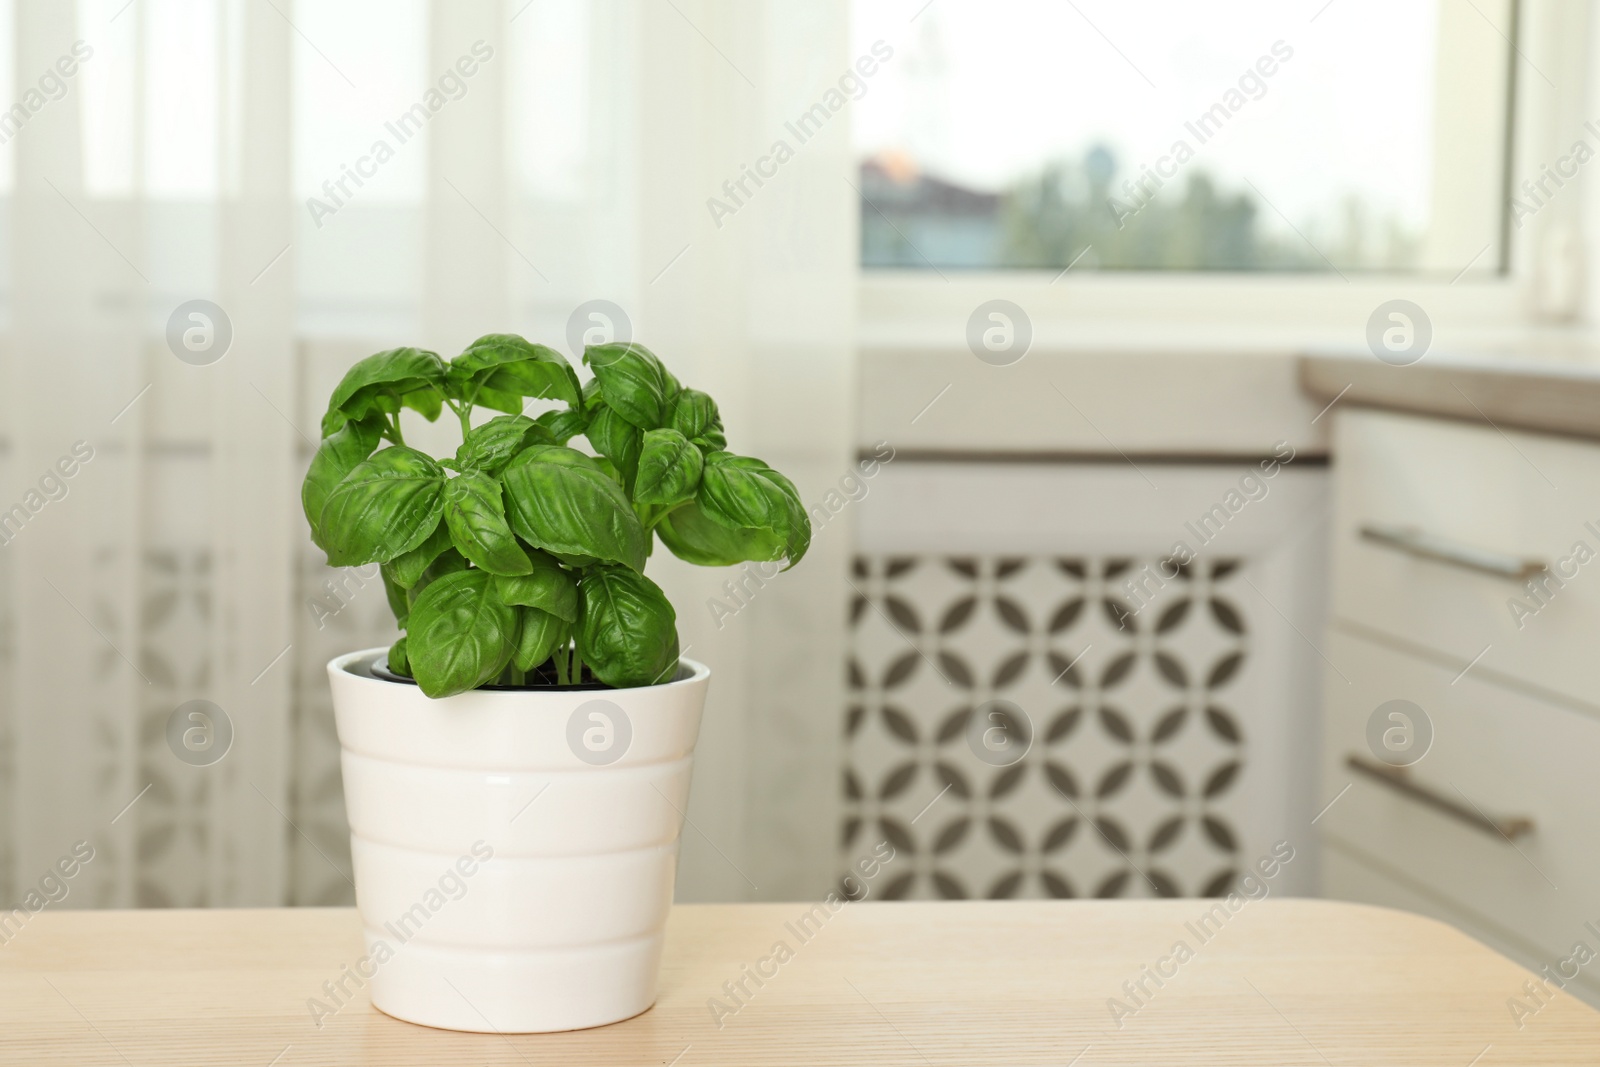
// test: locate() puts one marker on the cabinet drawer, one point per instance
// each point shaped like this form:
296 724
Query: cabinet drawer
1496 754
1432 517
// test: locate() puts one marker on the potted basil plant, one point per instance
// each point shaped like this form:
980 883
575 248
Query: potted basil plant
516 766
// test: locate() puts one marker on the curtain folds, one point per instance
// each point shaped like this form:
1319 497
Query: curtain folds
560 188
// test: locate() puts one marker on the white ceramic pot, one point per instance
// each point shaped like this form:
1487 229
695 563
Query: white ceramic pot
514 850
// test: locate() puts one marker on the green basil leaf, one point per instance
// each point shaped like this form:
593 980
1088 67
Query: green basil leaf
498 400
427 401
796 523
336 457
592 397
561 501
382 382
618 440
489 447
799 540
629 634
633 381
669 469
461 636
611 472
395 593
547 587
573 561
711 441
475 511
563 424
397 658
507 366
694 538
407 567
387 505
447 562
740 495
693 414
542 633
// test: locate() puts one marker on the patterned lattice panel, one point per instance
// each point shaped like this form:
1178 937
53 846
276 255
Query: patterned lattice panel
1131 783
177 828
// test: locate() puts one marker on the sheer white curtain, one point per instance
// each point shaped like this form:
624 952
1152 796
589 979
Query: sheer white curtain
537 157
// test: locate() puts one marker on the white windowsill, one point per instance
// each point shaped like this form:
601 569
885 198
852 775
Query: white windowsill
1151 365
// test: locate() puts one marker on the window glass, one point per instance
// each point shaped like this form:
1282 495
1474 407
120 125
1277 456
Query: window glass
1253 135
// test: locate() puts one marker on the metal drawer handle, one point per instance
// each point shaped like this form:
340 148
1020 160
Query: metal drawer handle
1396 778
1429 546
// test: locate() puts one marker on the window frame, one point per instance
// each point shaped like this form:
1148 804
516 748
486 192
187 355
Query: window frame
1550 96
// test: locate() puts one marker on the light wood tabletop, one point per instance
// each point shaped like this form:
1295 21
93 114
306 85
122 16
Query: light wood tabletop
1277 982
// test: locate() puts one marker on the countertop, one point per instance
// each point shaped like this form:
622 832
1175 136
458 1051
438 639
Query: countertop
1067 982
1548 389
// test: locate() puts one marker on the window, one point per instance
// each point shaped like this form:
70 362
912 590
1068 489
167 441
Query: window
1327 136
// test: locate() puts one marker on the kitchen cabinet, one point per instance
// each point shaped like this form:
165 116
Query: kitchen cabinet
1461 725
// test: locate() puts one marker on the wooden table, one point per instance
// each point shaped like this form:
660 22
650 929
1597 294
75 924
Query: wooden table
1279 982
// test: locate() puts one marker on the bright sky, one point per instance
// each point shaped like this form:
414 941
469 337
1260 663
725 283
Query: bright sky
985 91
981 91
